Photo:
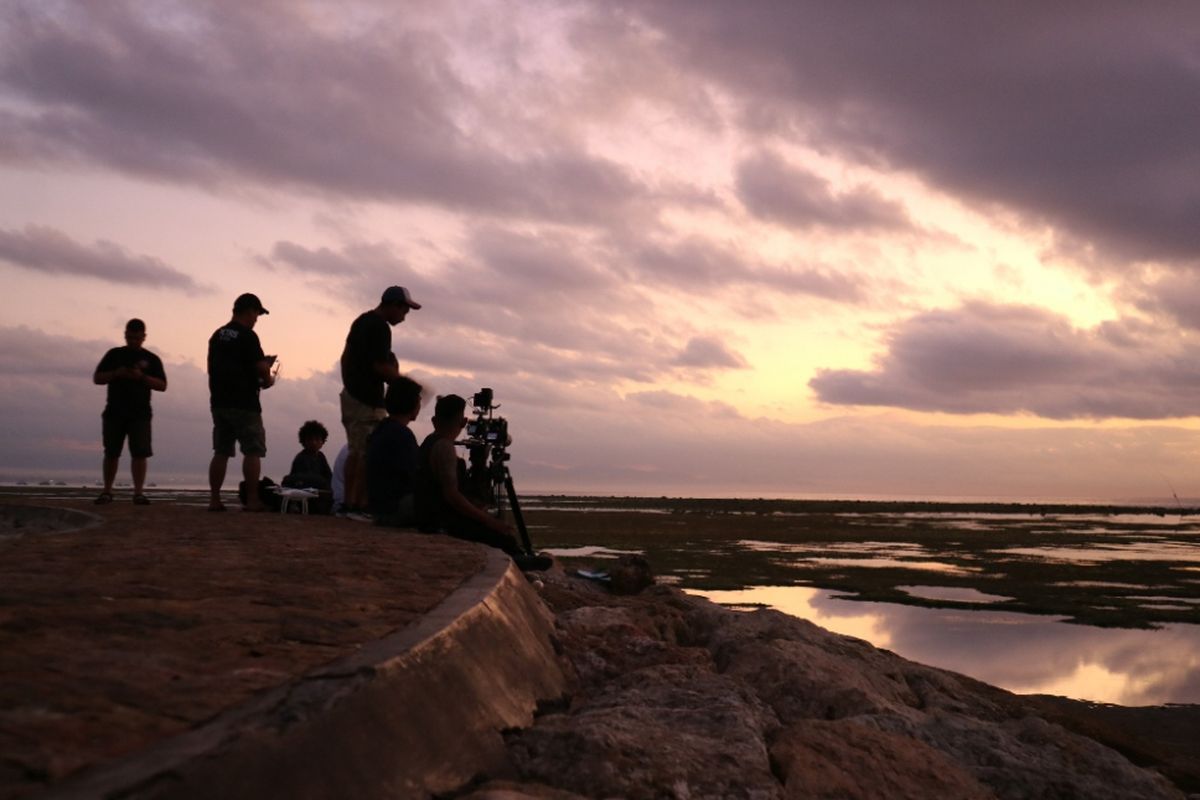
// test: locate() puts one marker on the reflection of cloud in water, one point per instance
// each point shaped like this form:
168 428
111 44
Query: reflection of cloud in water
961 594
589 551
892 548
930 566
1163 551
1019 652
892 554
1101 585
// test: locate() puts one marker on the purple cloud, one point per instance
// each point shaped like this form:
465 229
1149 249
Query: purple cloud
708 352
1015 359
773 189
218 93
1085 123
51 252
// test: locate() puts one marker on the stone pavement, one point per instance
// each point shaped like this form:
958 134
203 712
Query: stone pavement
156 619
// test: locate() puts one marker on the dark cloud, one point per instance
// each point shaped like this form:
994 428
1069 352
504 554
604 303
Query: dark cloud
1011 359
1081 116
215 92
52 252
707 352
696 265
773 189
1177 296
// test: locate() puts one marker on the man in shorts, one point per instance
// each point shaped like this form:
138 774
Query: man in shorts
368 363
130 373
237 372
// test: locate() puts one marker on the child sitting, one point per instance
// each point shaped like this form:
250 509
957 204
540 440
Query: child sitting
310 470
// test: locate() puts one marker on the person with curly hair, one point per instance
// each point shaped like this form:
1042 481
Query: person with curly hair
310 470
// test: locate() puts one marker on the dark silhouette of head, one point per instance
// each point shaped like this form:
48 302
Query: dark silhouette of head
403 397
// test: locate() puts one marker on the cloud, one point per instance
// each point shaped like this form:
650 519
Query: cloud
218 93
1086 125
694 265
51 252
1176 295
586 438
708 352
775 190
1015 359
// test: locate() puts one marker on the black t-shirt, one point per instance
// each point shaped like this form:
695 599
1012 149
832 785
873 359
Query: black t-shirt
392 458
369 342
309 470
233 355
127 396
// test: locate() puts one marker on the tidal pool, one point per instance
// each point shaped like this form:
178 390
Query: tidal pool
1023 653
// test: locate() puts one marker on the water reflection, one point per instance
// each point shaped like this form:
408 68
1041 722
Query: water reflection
1019 652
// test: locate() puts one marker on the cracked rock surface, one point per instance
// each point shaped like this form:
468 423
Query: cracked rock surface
675 697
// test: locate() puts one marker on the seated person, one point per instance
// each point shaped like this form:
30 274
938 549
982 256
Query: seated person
391 460
440 504
310 470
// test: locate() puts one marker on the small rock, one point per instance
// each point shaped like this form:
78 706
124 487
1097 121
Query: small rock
630 575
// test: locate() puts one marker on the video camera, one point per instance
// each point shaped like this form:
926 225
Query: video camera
486 429
487 435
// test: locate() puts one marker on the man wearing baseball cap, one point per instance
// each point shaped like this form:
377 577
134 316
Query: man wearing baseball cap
237 372
368 363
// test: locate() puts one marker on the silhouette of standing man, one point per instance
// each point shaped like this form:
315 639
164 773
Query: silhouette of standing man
130 373
367 364
237 372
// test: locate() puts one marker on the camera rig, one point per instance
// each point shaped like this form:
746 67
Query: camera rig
487 447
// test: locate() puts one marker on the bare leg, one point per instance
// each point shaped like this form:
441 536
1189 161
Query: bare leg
356 480
110 473
216 477
137 468
251 469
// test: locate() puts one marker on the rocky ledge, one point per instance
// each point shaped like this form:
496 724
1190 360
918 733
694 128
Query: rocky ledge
675 697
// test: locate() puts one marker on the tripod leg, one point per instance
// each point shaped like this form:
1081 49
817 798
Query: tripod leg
516 511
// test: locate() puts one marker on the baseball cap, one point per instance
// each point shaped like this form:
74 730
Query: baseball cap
249 302
398 295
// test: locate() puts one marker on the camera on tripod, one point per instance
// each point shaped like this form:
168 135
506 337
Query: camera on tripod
486 429
487 435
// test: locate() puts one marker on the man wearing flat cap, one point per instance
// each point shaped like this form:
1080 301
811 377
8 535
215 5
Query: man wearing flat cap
237 371
368 363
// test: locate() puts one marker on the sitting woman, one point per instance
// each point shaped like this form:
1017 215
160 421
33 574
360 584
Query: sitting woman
310 470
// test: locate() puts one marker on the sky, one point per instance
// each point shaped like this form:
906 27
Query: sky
776 249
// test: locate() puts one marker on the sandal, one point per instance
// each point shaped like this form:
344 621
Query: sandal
104 499
141 500
218 506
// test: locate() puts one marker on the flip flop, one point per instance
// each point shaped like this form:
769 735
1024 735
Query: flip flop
141 500
104 499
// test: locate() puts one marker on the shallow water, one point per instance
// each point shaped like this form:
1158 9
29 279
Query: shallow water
1091 605
1019 652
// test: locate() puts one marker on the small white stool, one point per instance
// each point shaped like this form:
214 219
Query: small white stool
301 496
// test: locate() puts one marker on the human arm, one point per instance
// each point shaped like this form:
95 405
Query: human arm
444 463
387 368
148 370
263 367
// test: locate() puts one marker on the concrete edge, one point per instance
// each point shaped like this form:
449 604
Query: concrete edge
412 714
